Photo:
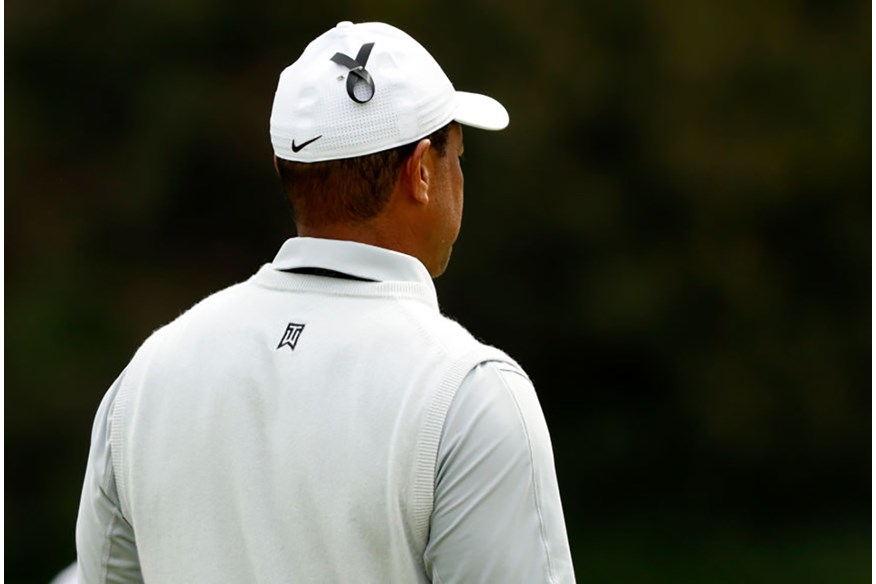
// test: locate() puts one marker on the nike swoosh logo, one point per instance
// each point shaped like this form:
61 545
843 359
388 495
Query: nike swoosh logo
303 144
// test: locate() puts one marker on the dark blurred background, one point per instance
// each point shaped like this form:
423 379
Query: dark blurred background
672 236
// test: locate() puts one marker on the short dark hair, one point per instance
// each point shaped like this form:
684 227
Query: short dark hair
347 190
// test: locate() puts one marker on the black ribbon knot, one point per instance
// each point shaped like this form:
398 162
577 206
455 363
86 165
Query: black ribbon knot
358 74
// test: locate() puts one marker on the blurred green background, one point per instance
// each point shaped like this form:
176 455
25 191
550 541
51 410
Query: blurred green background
672 236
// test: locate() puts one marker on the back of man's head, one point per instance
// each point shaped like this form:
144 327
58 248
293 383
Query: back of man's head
364 88
347 190
350 115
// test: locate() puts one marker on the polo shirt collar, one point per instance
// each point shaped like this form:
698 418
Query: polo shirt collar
353 258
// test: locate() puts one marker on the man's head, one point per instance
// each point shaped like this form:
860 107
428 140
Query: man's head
366 135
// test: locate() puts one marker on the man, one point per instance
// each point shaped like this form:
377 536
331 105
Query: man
322 421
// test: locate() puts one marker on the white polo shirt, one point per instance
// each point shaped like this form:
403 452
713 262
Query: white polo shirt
324 426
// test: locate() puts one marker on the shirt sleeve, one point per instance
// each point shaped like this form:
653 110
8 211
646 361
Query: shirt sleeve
497 513
105 546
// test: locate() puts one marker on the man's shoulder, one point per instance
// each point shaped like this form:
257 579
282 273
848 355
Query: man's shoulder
454 340
203 311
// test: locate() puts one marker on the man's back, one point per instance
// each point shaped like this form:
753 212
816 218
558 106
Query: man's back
289 425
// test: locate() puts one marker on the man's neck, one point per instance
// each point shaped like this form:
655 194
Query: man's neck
367 232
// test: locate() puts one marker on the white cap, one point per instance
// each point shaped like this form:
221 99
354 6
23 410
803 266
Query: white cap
343 98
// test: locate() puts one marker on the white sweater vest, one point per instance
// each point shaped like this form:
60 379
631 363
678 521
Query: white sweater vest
288 427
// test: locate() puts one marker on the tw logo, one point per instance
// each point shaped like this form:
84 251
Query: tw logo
290 337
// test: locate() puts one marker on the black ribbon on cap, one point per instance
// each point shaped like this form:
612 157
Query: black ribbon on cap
357 71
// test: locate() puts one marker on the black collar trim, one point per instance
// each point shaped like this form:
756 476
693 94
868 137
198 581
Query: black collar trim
327 273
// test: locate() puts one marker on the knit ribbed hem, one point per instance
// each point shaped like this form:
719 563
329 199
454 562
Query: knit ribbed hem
429 439
117 445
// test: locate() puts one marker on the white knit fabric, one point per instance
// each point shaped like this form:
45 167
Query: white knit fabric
221 466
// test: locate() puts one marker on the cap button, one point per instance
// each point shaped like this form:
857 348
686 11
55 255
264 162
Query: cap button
344 24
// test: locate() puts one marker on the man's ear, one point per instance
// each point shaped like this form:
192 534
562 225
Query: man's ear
276 166
417 171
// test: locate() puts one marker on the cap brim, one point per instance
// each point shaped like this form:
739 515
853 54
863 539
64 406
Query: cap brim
480 111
